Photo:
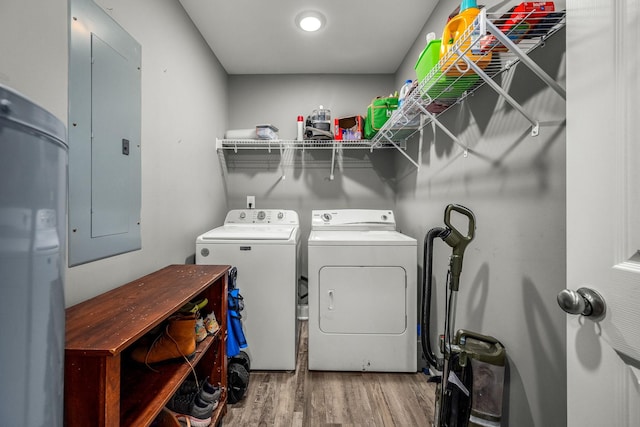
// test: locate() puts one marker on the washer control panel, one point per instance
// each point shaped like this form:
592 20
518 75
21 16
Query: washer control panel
353 219
262 216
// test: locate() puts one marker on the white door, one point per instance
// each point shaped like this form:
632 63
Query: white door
603 210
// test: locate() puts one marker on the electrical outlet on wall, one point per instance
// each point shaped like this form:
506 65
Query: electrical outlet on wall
251 202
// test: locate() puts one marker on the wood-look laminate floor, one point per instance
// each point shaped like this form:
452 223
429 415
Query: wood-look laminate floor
316 398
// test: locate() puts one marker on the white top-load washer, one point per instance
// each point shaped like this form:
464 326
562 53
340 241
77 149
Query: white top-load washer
263 245
362 293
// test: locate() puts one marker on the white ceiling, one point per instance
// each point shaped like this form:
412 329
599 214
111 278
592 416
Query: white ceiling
260 36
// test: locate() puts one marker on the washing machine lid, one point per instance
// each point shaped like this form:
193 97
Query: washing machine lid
250 232
359 238
353 219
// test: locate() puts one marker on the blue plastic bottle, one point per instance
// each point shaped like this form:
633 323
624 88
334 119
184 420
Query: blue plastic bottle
404 91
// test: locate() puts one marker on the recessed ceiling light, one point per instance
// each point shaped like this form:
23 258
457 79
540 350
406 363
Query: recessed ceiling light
310 21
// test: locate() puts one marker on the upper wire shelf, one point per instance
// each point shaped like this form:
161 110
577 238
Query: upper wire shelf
472 62
490 46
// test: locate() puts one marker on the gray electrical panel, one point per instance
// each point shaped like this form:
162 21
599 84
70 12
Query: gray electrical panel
104 136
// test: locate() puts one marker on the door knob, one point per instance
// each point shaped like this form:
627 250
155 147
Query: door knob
584 301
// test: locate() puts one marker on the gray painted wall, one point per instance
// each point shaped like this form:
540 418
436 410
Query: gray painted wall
515 184
184 92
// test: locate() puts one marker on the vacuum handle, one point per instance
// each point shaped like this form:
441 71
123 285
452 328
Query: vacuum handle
457 241
466 212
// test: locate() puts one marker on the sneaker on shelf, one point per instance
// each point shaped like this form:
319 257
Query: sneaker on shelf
211 323
201 331
193 407
210 393
181 403
207 392
194 306
189 386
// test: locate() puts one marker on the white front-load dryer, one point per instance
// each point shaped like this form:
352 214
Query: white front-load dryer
362 293
263 245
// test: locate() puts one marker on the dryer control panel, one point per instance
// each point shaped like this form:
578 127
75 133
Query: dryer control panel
353 219
262 216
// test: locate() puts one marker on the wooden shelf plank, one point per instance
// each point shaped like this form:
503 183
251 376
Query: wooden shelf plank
108 323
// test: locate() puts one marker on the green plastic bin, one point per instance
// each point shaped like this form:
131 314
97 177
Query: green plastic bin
441 86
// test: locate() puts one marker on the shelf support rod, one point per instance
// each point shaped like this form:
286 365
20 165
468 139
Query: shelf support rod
282 161
384 134
513 48
495 86
223 165
435 120
333 160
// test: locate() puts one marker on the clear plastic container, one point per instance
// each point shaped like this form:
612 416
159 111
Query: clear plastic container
266 132
488 388
321 118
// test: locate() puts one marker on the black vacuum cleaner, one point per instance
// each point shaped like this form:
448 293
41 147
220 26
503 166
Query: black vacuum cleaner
469 390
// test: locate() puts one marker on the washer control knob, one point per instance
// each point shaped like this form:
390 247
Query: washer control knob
261 215
204 252
326 216
280 215
243 215
384 217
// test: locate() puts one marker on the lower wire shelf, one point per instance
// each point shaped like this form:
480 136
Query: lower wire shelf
284 146
278 144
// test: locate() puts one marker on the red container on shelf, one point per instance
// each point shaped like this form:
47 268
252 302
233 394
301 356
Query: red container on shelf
350 128
517 23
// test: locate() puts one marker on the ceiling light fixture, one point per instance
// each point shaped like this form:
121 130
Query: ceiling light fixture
310 21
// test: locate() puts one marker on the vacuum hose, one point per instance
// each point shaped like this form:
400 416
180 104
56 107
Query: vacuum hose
427 276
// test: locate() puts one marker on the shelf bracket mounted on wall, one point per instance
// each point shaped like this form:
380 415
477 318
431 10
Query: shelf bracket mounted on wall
282 161
388 134
535 125
223 162
446 130
333 161
524 58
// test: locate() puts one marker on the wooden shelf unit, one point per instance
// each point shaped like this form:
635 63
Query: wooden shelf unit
103 386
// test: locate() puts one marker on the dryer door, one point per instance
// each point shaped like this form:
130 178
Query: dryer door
363 300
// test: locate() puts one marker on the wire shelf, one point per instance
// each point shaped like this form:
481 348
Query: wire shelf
283 144
490 46
472 61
